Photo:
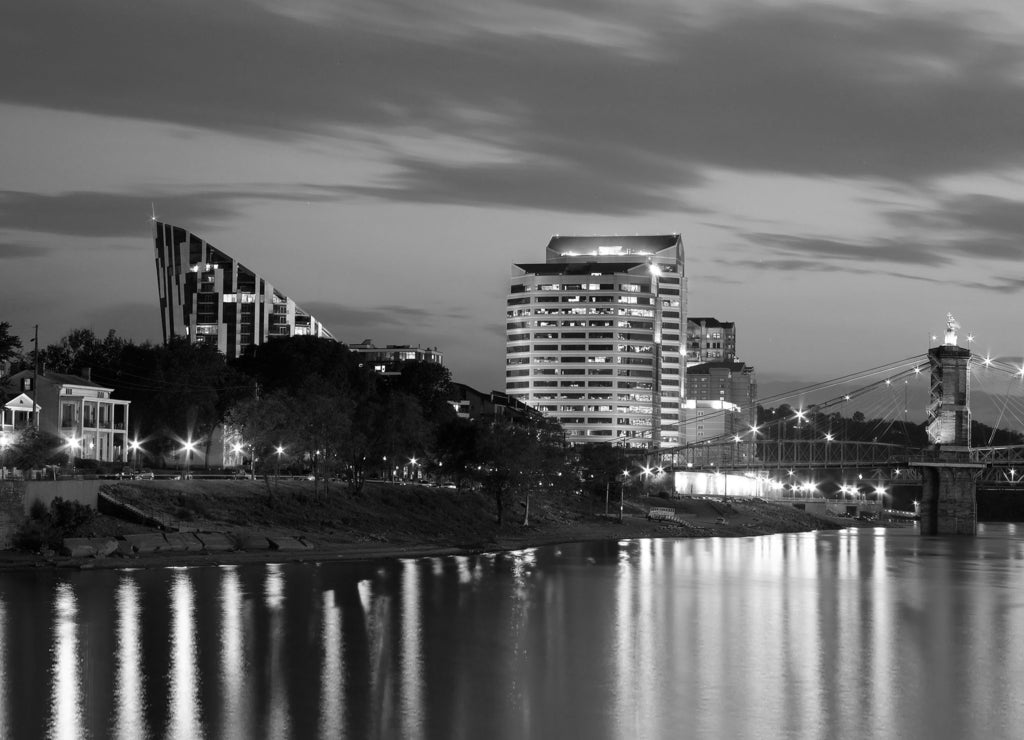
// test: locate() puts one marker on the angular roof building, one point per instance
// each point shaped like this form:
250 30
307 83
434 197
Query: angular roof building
211 298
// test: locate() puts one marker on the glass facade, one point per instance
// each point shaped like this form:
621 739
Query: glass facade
211 298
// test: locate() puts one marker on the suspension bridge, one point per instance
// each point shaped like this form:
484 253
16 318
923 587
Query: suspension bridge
783 455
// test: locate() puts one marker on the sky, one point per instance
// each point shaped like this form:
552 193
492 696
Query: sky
843 174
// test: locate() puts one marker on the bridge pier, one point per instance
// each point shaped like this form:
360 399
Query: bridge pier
949 500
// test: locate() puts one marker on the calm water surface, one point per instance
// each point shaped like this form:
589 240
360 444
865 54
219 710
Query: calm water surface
840 635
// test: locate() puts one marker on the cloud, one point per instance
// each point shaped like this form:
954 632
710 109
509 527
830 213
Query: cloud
992 227
808 90
878 256
10 251
355 323
94 214
97 214
556 184
816 250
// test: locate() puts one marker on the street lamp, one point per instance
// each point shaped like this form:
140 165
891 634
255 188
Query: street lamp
280 451
188 449
5 442
135 447
622 491
73 444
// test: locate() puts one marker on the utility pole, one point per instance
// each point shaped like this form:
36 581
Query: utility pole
35 379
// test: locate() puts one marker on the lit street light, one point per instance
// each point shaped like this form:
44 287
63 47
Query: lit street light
73 445
188 449
135 447
622 491
5 442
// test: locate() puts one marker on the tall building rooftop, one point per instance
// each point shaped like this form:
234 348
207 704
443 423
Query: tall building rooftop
212 298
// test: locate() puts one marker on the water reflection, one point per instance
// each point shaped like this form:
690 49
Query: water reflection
183 680
5 730
411 658
130 723
235 711
848 634
332 674
273 595
66 697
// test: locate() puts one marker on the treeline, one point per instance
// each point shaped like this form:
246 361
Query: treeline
783 422
311 404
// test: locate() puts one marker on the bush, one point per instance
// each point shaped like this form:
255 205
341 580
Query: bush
67 516
48 527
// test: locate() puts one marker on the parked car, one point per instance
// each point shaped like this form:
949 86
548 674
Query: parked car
143 474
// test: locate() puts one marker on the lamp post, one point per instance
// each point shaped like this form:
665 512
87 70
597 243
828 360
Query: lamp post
280 451
188 449
73 444
237 448
5 441
622 492
134 446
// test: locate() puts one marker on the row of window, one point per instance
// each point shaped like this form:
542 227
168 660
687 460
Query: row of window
513 325
667 349
632 299
622 421
633 397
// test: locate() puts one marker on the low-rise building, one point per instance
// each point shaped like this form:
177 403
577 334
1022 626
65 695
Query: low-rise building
472 404
72 407
391 359
721 399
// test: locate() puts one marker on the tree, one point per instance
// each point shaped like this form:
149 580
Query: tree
263 423
82 349
599 465
178 391
455 448
518 458
32 449
10 348
431 385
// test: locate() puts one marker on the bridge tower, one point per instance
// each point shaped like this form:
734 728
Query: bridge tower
949 476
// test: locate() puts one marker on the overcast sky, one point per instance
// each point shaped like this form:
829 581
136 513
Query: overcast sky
842 174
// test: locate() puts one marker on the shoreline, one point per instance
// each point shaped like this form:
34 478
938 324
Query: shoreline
355 552
153 524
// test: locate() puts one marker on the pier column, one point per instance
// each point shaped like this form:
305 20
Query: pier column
949 502
949 476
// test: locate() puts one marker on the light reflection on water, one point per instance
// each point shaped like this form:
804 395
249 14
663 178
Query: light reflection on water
128 688
66 696
851 634
183 677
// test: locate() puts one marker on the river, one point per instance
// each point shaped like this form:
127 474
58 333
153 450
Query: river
848 634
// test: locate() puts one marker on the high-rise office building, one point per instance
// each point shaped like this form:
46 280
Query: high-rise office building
595 337
212 298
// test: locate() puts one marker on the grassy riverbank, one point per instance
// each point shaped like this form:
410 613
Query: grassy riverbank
387 519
